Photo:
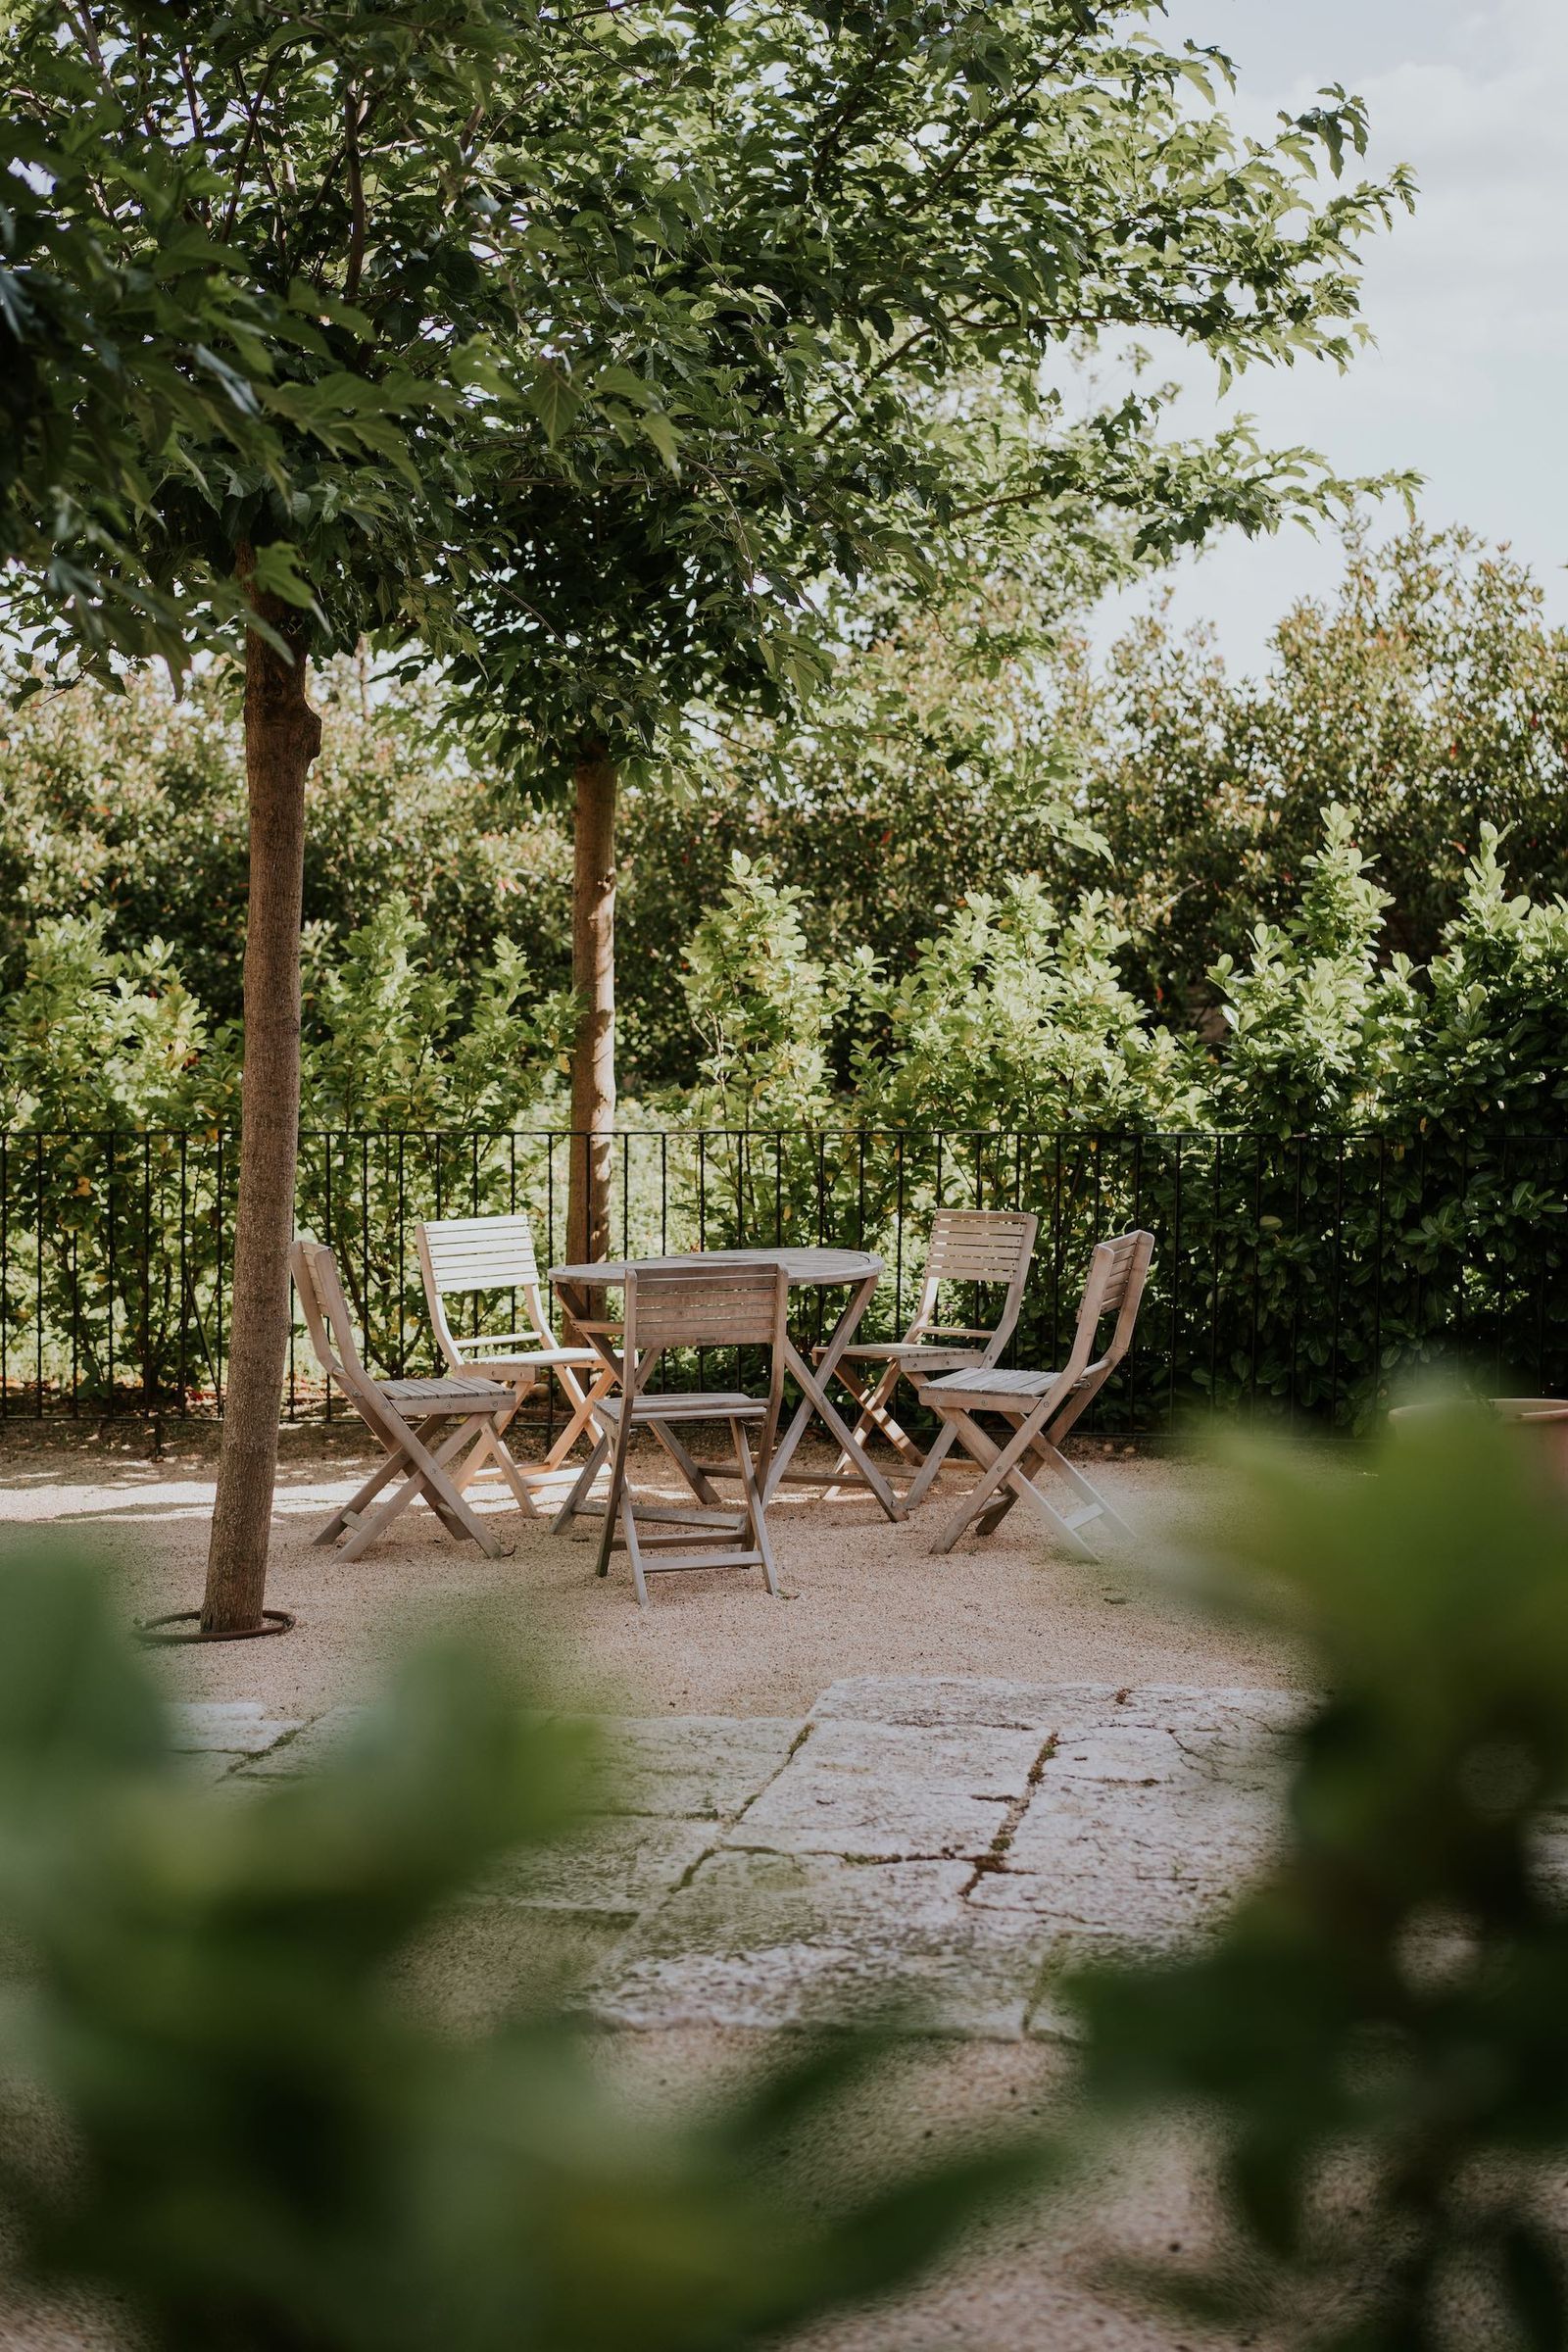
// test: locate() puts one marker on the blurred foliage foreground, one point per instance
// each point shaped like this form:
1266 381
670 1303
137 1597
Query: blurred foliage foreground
223 2107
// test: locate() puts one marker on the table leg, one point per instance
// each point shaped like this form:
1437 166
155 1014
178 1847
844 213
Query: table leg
814 1380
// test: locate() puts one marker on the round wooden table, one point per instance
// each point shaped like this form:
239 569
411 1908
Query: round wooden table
857 1271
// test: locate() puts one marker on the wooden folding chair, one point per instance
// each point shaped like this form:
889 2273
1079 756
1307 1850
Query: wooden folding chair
1043 1407
390 1410
986 1249
460 1256
732 1306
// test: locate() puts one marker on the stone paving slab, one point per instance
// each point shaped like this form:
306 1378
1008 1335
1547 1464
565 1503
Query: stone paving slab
701 1767
614 1866
947 1698
1133 1867
770 1940
1093 1821
889 1792
946 1848
309 1749
238 1727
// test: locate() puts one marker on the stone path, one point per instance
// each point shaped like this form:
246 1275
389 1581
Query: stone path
938 1847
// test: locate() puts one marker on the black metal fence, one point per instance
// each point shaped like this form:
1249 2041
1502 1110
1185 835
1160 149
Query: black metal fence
1295 1277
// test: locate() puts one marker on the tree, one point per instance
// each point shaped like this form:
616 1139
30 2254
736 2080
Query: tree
131 803
1427 694
288 232
849 243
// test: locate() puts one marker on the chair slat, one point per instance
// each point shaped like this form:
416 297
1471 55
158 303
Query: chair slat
481 1253
725 1308
978 1245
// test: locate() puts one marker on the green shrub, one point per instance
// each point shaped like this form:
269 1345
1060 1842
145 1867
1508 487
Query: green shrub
117 1175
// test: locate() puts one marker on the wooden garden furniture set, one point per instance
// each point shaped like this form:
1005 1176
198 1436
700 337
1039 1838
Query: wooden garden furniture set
725 1299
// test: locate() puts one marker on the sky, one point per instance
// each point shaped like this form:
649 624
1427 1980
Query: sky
1468 298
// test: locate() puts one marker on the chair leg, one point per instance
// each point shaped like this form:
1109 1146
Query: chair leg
756 1510
618 1500
1008 1468
634 1549
691 1470
1064 1532
427 1476
579 1493
925 1477
1086 1487
513 1474
582 1411
330 1528
997 1461
874 1414
492 1447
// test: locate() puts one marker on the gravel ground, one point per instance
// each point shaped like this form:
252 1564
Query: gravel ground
864 1596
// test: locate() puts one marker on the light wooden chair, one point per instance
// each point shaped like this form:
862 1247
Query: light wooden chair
391 1409
989 1248
1043 1407
732 1306
460 1256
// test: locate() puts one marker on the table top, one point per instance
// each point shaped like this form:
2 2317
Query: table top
803 1267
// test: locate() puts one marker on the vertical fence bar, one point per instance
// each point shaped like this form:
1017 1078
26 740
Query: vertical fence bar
5 1278
109 1219
149 1383
1497 1307
1178 1246
1214 1296
1376 1275
37 1335
1295 1286
1335 1343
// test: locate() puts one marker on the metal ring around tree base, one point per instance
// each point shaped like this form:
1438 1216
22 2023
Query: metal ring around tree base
151 1628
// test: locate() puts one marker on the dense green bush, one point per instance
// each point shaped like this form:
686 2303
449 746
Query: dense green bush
133 806
1370 1173
963 749
965 743
118 1101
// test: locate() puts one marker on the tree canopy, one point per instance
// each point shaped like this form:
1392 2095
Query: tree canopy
810 297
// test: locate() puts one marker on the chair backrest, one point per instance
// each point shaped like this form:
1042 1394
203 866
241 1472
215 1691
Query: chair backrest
1118 1270
460 1255
725 1307
985 1247
326 1314
732 1306
479 1253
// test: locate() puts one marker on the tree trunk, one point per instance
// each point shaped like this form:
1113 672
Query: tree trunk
593 977
283 736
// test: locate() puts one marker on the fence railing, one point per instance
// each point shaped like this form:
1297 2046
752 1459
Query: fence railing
1295 1277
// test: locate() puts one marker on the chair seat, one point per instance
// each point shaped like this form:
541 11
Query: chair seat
712 1404
906 1352
991 1386
422 1399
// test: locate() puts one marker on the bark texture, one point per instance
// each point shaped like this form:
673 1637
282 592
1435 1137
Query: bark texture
283 736
593 977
